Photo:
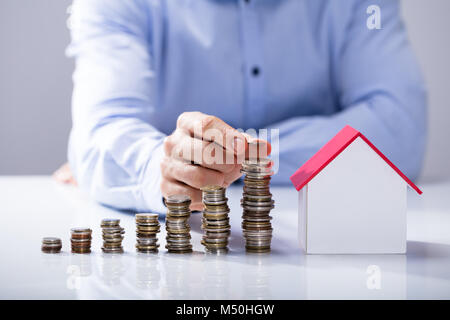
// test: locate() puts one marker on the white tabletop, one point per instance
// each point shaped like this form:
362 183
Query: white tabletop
34 207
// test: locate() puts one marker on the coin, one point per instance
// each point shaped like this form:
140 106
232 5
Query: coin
212 189
177 199
112 234
80 240
217 235
51 240
216 251
109 222
149 216
112 250
178 238
215 220
257 203
147 228
51 245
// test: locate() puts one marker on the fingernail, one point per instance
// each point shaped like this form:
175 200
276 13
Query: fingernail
239 145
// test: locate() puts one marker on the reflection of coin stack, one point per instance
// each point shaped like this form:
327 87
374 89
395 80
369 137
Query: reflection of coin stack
178 282
112 269
81 240
216 222
147 226
256 278
51 245
257 203
112 236
178 231
216 279
83 262
147 272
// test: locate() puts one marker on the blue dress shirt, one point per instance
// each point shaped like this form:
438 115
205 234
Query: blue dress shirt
305 67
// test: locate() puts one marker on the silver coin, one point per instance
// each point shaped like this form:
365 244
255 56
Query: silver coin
81 230
51 240
110 221
112 250
177 199
146 215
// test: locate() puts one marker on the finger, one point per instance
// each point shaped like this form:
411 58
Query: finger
232 176
181 146
211 128
258 148
265 146
64 175
192 175
170 187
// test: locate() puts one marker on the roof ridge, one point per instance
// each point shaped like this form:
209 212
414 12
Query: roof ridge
331 150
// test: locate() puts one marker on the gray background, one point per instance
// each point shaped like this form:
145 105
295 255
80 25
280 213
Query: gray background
35 83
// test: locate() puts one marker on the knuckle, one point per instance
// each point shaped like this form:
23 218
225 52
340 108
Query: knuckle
163 166
226 168
168 145
208 122
183 117
196 197
200 179
194 175
163 187
180 119
220 179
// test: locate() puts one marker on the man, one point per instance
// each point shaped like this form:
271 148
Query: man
148 73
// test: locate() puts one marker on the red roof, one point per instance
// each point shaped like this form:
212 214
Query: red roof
330 151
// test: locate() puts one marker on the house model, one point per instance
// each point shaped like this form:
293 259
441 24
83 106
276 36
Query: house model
352 199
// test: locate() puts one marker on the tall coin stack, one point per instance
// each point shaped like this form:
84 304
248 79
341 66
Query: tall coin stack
51 245
112 236
178 238
257 203
215 222
80 240
147 226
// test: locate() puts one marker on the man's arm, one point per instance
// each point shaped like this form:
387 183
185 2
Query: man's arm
380 92
113 151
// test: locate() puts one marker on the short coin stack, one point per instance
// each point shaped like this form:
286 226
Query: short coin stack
147 226
81 240
215 222
178 238
51 245
112 236
257 203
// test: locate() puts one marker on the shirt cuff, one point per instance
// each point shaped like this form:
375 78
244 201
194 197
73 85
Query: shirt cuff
151 195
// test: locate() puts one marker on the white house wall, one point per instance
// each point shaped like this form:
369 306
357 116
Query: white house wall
357 204
302 203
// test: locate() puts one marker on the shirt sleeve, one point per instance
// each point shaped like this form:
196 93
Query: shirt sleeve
379 90
113 150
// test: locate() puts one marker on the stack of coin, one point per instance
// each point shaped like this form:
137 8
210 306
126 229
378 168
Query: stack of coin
112 236
147 226
215 222
81 240
257 203
178 238
51 245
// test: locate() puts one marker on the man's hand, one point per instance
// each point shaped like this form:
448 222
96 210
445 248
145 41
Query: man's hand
203 150
64 175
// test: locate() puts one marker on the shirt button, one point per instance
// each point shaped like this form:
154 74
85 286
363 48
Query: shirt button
255 71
